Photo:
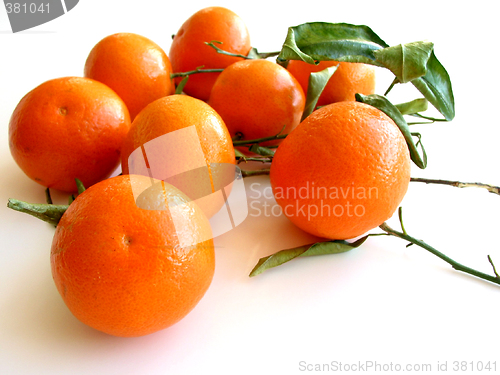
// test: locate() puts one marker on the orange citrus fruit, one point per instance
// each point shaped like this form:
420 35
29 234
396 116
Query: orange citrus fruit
182 140
189 51
136 68
126 265
348 79
258 98
343 171
68 128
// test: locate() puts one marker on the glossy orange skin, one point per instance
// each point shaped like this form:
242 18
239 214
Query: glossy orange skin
258 98
120 269
136 68
68 128
171 113
189 51
347 156
348 79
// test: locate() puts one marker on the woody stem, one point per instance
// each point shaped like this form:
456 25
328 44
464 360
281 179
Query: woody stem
491 188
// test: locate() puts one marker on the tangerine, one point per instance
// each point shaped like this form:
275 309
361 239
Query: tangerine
189 50
343 171
68 128
136 68
182 140
258 98
348 79
127 265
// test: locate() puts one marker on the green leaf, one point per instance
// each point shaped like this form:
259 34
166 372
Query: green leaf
79 186
317 83
436 88
261 150
180 86
253 54
317 41
406 61
238 153
382 103
413 107
413 62
318 248
50 213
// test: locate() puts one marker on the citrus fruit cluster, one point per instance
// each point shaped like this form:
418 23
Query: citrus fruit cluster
119 259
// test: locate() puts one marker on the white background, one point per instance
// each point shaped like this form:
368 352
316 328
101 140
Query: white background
382 302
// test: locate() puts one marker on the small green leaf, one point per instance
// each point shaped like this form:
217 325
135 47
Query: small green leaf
421 145
238 153
253 54
261 150
318 248
436 88
180 86
317 83
318 41
79 185
382 103
406 61
50 213
413 107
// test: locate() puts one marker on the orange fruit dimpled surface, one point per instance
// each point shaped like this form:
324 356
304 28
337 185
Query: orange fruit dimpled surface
348 79
343 171
258 98
122 262
136 68
184 141
189 51
68 128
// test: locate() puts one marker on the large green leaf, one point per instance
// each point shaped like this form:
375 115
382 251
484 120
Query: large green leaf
436 88
318 248
331 41
406 61
412 62
382 103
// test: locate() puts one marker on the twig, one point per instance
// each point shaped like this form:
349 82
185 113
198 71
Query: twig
491 188
492 265
245 142
244 159
458 266
197 70
258 172
48 198
391 86
253 54
222 52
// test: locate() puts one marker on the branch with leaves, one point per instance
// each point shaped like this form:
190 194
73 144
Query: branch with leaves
340 246
414 63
